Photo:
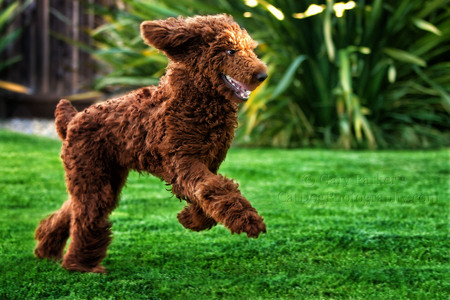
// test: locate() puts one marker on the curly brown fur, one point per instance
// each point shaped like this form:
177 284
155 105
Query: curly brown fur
64 112
53 233
179 131
194 218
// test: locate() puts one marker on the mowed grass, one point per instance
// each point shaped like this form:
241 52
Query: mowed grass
370 225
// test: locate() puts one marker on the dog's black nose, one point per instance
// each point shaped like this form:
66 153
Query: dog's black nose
261 76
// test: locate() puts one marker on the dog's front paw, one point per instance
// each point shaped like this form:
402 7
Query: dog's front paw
251 223
192 217
254 229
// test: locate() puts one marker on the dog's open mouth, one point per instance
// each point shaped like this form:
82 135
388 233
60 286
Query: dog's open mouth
239 88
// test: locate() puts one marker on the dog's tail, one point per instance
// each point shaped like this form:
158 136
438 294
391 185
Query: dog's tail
64 113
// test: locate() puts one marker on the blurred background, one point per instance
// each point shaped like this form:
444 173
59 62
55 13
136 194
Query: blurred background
361 74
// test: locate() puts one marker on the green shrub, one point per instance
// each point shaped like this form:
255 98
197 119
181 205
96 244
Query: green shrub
8 12
6 38
373 77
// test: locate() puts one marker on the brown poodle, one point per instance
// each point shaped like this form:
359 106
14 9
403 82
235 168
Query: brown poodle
179 131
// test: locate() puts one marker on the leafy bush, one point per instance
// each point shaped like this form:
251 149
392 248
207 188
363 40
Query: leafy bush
8 11
369 74
6 38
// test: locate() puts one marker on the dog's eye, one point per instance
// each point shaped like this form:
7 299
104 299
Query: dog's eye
231 52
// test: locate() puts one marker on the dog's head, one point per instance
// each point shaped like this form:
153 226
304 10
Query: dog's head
215 47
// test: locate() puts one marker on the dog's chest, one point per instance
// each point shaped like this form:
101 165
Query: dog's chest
218 142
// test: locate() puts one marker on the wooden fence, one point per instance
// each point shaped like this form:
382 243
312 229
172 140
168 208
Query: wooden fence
52 65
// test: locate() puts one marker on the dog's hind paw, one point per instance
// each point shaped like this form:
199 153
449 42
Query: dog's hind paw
85 269
42 253
99 269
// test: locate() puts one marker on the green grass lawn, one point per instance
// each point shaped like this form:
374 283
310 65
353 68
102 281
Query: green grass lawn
340 225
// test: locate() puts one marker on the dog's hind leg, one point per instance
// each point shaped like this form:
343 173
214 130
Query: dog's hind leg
94 193
193 217
52 233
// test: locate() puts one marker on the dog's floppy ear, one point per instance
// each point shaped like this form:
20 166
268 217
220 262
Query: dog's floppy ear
173 36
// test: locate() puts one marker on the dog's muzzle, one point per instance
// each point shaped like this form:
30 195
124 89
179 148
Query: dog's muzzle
239 88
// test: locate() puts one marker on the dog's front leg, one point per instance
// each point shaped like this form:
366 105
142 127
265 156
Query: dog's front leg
219 198
194 218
